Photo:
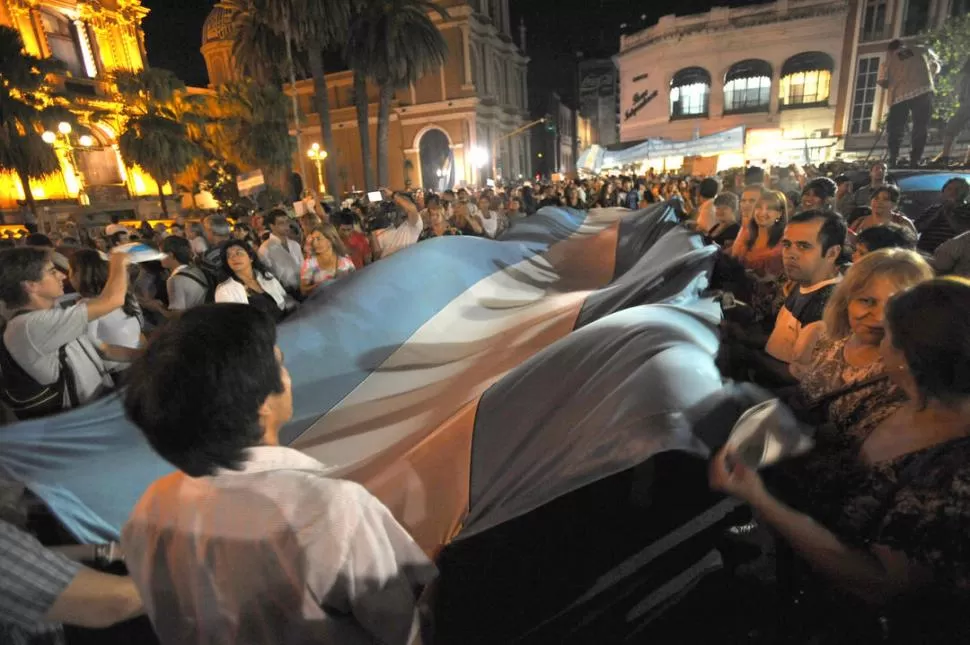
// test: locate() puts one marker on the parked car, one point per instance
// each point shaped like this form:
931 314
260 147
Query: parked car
922 189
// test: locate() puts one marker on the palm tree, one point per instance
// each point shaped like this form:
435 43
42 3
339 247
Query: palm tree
23 90
309 25
254 125
397 43
158 116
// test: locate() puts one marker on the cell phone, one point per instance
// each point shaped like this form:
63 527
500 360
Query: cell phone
375 196
490 183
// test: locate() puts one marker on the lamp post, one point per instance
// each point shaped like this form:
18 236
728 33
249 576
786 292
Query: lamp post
317 155
61 140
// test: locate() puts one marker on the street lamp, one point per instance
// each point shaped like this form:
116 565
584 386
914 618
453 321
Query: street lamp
479 156
62 140
317 155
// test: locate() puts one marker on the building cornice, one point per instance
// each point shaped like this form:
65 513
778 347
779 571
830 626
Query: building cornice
718 23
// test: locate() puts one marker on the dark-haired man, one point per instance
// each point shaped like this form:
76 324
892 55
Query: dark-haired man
281 255
251 540
706 218
813 244
46 345
356 242
187 285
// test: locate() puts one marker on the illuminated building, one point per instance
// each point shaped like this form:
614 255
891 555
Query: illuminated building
91 38
478 96
872 25
772 70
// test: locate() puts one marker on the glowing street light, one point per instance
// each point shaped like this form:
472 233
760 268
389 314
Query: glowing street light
49 137
317 155
479 156
64 127
86 140
63 133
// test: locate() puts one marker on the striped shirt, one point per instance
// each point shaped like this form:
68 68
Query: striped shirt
33 577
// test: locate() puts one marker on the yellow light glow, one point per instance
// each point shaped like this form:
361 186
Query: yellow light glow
139 183
38 192
729 160
64 127
48 137
86 140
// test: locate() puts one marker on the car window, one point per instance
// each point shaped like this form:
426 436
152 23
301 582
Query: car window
928 182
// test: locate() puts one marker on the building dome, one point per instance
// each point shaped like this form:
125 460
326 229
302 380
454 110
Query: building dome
217 27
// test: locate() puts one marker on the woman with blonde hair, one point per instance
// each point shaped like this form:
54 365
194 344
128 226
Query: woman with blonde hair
326 258
846 355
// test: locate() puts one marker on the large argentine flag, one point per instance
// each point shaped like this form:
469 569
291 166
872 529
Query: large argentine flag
463 381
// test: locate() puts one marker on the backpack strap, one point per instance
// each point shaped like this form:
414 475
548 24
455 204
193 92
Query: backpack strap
67 376
194 278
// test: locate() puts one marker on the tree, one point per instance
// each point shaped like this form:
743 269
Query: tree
158 114
309 25
253 120
397 43
951 42
24 115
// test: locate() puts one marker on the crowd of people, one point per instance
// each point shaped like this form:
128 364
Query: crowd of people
830 297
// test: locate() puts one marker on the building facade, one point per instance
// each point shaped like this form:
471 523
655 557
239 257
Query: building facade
599 99
444 127
772 69
872 24
554 141
92 38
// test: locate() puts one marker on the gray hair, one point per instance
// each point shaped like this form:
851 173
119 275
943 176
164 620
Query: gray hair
219 225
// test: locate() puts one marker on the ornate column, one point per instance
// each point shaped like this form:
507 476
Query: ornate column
466 52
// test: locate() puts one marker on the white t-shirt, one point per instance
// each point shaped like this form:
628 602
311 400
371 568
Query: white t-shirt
393 240
489 224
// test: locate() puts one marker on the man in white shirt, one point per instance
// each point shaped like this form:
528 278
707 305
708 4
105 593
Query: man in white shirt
44 344
251 541
281 255
390 240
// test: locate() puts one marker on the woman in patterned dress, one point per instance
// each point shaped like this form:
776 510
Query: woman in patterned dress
888 521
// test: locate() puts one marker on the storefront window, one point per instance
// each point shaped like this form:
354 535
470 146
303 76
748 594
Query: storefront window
747 87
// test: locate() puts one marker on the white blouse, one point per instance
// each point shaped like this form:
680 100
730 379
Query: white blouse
234 291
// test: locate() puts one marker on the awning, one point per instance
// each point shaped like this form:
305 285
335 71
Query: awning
596 158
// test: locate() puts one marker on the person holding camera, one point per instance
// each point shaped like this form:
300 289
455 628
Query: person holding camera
388 240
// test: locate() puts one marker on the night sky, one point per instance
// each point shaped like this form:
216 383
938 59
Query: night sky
557 31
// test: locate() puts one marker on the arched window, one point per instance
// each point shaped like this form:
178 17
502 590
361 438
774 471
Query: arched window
806 80
690 90
747 87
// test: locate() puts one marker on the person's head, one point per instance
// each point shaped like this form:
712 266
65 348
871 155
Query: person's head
345 221
884 236
726 208
709 188
770 215
239 260
325 240
844 185
29 279
484 204
749 200
39 240
89 274
754 176
217 229
926 350
178 230
242 231
159 229
310 221
462 195
819 194
177 252
956 191
203 420
194 230
877 174
115 218
857 306
813 244
278 223
884 201
515 205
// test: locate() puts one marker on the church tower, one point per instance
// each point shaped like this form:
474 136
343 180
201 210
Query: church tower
217 48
